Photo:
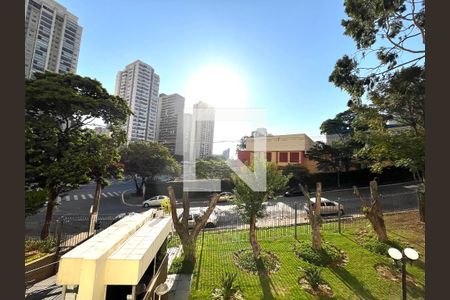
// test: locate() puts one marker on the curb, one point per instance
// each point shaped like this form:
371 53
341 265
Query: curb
127 204
366 187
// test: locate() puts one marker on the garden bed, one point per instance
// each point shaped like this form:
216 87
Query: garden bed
356 279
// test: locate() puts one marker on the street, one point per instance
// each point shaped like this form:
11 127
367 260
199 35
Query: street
394 197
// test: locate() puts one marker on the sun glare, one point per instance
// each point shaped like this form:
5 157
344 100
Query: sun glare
217 85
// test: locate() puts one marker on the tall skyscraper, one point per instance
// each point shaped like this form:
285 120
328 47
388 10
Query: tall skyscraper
171 122
138 84
203 122
52 38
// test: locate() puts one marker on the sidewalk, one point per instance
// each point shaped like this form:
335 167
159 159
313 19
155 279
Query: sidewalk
44 290
180 286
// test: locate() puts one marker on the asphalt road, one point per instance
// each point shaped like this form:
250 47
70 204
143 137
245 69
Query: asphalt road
78 202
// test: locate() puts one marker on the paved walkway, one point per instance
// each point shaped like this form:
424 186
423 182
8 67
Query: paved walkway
46 289
180 286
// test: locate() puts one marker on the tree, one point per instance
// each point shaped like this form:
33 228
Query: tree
314 216
242 143
57 109
392 31
147 160
208 169
340 125
103 161
336 158
34 201
297 174
189 238
402 99
373 211
250 204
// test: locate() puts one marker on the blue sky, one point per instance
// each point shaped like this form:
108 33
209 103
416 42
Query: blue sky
284 50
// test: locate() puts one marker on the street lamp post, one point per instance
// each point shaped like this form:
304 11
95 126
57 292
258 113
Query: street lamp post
407 253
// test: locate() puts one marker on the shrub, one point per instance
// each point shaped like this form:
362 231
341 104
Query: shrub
229 290
329 255
43 246
313 275
165 206
179 266
244 260
373 245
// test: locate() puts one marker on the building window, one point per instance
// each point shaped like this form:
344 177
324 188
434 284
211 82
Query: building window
283 157
295 157
269 156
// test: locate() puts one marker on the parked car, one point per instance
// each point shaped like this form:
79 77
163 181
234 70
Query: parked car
226 196
196 213
293 193
327 207
154 201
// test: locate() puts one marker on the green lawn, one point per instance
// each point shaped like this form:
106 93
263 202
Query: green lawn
358 279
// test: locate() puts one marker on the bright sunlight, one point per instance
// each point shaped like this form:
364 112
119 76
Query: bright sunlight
217 85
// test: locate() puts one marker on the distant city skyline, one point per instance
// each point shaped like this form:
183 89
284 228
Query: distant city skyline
281 65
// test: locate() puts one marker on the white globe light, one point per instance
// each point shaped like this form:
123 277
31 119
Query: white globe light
411 253
395 253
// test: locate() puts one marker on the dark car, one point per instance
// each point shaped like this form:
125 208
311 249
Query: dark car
293 193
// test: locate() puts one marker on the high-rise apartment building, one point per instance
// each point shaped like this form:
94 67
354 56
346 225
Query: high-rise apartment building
138 84
171 122
203 122
52 38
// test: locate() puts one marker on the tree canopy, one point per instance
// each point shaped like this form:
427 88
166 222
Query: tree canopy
147 160
250 204
212 168
57 109
392 32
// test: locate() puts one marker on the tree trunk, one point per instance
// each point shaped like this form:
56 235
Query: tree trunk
189 247
188 239
95 207
52 195
421 196
374 213
339 179
316 220
253 242
138 190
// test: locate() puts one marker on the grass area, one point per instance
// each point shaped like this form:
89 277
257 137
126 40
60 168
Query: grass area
34 256
357 279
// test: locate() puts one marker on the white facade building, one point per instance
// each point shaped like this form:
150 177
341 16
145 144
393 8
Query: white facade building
138 84
203 125
171 122
52 38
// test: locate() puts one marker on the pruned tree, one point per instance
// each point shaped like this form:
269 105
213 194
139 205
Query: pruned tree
373 211
147 160
250 204
188 237
314 216
57 109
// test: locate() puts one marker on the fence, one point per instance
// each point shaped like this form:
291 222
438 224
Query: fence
289 217
68 231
